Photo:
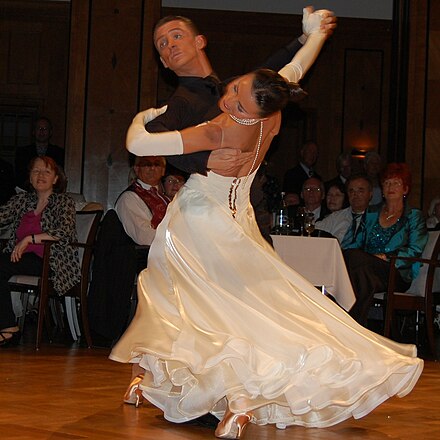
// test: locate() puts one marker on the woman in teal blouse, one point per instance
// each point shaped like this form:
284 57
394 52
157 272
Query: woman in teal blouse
393 228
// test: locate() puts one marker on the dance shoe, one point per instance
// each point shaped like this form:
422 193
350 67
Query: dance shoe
233 425
9 342
133 395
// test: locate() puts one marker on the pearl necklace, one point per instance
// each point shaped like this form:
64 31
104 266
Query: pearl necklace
244 121
232 197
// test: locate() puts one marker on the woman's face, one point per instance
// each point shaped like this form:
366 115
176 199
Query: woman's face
335 199
394 189
172 184
238 99
42 177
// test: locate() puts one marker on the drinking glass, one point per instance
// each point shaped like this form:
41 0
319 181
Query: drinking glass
309 223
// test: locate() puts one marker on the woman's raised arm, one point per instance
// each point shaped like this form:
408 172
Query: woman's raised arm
140 142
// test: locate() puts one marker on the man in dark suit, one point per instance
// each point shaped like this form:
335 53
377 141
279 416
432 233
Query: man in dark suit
344 169
181 48
41 147
295 177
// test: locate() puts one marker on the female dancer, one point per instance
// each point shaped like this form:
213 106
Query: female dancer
222 324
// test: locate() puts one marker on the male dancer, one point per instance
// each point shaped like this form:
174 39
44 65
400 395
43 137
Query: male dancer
182 49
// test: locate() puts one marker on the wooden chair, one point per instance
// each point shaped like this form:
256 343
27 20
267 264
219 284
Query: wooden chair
87 223
419 297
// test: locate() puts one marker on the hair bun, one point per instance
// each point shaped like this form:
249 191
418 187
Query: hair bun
296 92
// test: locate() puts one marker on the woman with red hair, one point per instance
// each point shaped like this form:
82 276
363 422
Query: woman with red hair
393 228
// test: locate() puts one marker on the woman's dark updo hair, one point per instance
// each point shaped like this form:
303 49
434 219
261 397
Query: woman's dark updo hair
272 92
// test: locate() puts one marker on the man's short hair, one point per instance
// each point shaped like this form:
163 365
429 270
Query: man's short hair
181 18
161 159
358 176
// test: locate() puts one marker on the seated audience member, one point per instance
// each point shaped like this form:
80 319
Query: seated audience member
40 214
373 167
142 206
138 211
172 182
433 220
347 223
343 168
6 181
335 198
313 195
391 229
295 177
41 146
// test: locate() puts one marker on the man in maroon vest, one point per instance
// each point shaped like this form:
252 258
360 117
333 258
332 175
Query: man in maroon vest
142 206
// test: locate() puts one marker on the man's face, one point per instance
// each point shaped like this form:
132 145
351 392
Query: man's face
312 193
42 131
359 194
373 166
150 169
345 168
309 154
178 47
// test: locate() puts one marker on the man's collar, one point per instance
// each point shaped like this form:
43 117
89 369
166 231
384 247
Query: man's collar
143 184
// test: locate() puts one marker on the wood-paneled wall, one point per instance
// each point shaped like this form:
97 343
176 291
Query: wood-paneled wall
34 53
423 117
113 72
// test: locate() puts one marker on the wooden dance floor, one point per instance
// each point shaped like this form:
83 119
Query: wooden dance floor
74 393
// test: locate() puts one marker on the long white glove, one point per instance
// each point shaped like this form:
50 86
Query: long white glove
310 23
143 143
306 56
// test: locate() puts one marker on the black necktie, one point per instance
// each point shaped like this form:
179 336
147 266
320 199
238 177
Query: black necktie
355 228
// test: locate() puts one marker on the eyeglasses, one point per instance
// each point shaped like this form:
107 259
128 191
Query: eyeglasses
389 183
312 189
37 171
174 181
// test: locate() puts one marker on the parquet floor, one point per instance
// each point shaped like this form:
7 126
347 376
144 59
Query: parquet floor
68 392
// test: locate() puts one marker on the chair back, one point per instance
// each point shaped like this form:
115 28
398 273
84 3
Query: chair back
87 223
431 252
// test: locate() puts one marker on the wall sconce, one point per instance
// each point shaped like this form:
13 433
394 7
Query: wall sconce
358 152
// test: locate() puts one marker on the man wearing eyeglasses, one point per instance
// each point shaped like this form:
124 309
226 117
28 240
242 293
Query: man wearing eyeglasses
313 195
142 206
42 133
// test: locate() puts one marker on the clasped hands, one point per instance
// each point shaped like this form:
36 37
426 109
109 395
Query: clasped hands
321 20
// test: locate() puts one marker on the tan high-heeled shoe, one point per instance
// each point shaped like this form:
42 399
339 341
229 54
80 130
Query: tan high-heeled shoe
233 425
133 395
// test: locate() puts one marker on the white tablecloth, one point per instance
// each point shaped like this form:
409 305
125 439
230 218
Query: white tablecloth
320 261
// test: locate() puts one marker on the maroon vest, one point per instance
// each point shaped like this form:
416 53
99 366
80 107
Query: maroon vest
156 203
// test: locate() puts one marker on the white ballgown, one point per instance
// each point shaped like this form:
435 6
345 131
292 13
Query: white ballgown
221 318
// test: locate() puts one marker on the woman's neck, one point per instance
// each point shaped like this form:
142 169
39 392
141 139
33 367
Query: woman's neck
43 198
393 206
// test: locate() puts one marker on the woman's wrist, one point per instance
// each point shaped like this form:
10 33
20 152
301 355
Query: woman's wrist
33 239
